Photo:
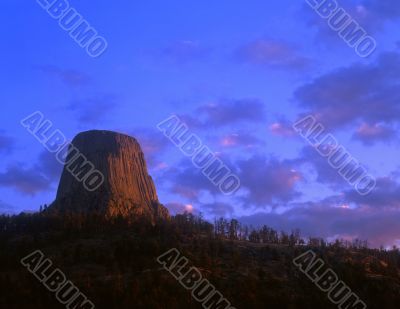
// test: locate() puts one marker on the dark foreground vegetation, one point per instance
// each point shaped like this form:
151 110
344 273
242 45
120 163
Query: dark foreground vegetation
113 262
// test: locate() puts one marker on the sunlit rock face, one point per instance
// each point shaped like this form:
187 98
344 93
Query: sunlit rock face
127 189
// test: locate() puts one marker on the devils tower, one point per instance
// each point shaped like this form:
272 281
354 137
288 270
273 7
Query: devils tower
127 189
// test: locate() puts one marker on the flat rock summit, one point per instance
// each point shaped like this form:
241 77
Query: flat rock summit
127 189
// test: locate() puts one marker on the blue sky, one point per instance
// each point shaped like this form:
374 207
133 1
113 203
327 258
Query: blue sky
202 59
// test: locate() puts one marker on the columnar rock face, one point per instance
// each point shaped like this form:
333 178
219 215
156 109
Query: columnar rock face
127 190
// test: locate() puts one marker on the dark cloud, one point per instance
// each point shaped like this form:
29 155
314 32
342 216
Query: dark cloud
360 92
217 209
226 112
7 143
268 180
346 215
193 121
49 166
188 181
95 109
385 195
265 182
321 220
71 78
371 15
273 54
369 134
7 209
326 174
25 180
153 143
41 177
331 175
209 210
190 188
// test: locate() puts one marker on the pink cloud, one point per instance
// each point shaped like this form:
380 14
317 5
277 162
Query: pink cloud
239 140
281 129
179 208
370 133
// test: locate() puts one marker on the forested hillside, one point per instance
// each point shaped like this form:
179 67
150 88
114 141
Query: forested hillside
114 262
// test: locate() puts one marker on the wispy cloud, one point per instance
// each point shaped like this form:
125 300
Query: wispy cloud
185 51
273 54
282 128
240 140
72 78
28 181
95 109
225 112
